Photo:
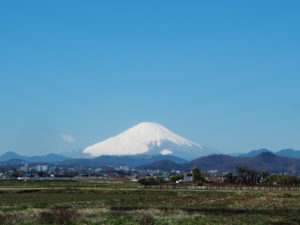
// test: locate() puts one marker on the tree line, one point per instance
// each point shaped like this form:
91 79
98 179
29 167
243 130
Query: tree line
252 177
243 175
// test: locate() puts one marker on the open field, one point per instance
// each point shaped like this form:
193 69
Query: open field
100 202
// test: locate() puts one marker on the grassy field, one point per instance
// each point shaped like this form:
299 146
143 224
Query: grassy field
99 202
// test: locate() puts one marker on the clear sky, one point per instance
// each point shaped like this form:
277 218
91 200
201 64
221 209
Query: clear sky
225 74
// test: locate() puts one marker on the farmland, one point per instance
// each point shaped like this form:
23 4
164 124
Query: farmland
117 202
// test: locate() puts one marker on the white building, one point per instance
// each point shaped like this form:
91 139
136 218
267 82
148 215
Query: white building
188 177
41 168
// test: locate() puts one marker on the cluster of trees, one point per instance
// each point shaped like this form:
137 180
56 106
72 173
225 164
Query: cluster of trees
283 180
177 177
252 176
247 176
198 178
243 176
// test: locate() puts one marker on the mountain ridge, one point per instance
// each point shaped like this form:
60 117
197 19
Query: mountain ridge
225 163
116 161
291 153
42 158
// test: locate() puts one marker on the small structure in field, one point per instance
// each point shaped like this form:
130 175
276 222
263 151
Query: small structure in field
188 177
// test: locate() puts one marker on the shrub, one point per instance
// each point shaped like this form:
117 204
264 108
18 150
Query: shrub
149 181
60 215
9 218
199 183
147 220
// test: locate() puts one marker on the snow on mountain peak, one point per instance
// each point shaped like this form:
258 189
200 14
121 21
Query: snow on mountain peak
166 152
146 138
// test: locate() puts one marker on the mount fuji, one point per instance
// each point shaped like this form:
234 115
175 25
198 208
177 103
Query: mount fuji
149 138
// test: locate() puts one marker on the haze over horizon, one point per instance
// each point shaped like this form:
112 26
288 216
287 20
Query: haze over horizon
224 74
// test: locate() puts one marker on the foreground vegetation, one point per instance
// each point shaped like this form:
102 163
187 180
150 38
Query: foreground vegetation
115 202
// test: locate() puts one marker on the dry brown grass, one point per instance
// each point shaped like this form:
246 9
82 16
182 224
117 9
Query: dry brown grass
60 215
147 220
3 219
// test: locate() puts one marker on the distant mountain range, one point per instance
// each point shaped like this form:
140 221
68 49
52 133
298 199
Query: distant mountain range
10 158
290 153
287 160
45 158
263 161
12 163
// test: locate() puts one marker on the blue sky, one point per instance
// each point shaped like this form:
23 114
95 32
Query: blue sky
222 73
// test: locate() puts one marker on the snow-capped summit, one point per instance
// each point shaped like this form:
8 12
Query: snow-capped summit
148 138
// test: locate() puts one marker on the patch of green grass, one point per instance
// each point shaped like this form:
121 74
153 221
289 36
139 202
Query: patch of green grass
111 184
41 205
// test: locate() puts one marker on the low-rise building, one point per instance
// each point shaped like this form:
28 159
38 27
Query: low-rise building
188 176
